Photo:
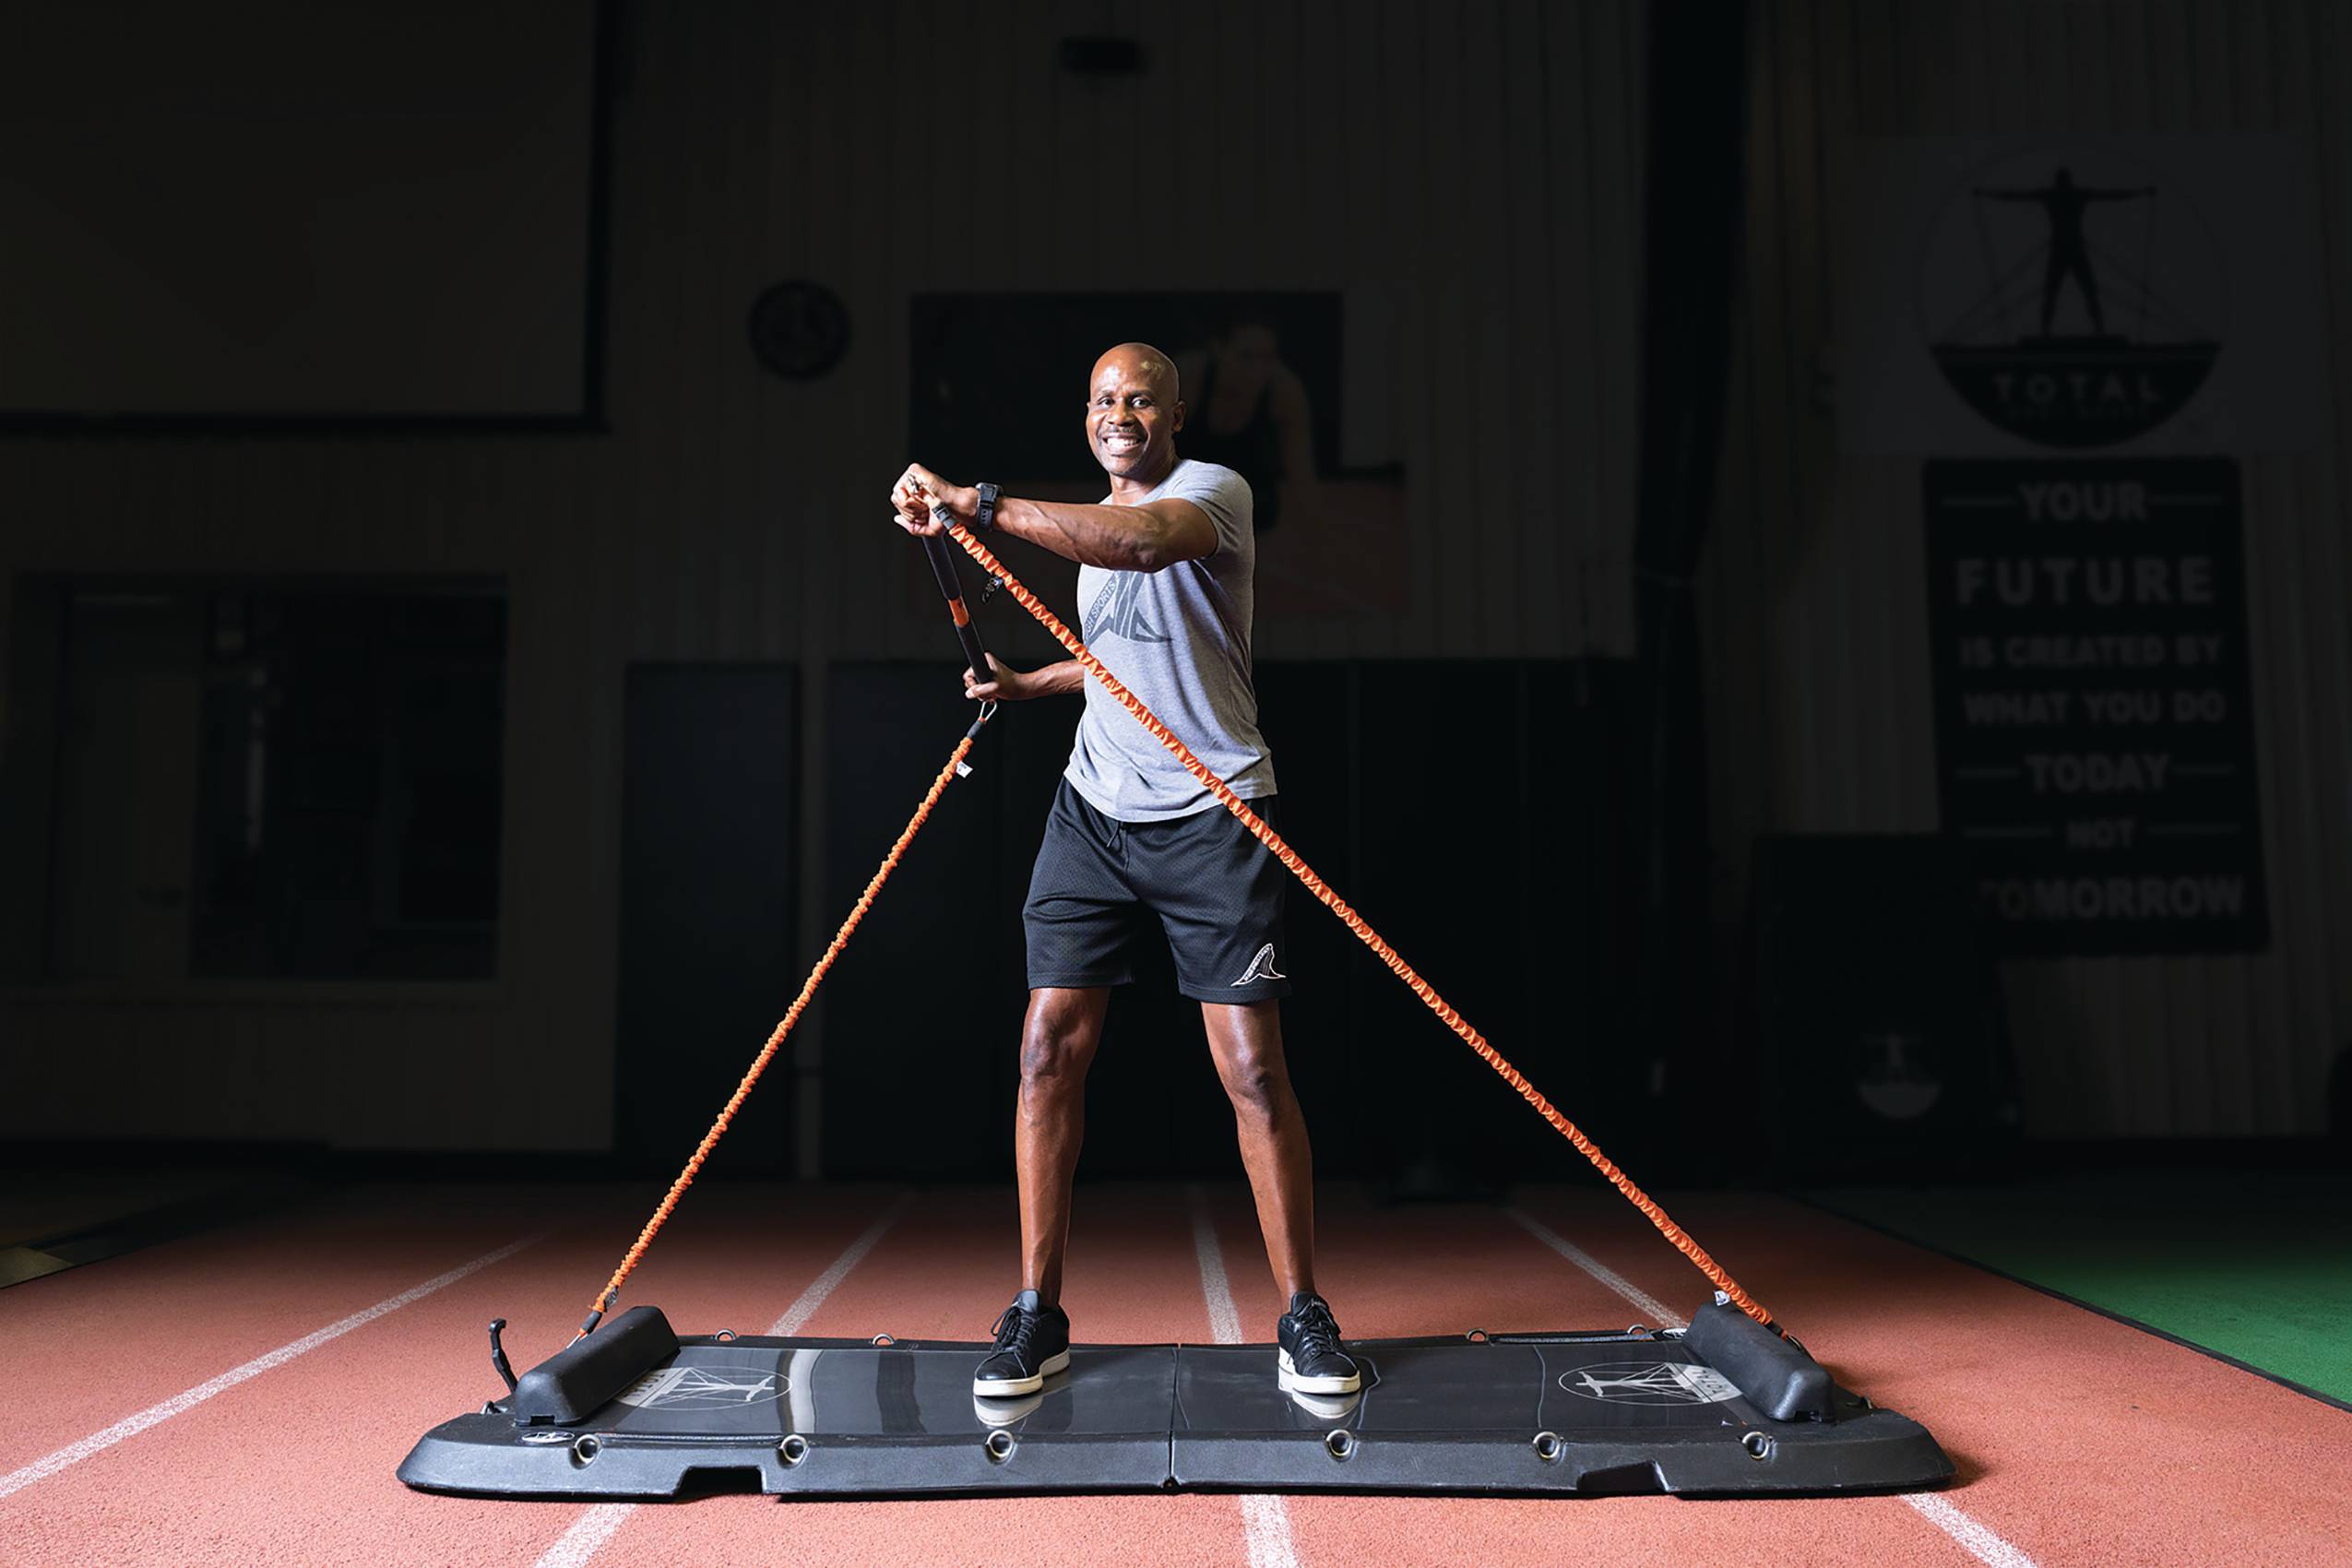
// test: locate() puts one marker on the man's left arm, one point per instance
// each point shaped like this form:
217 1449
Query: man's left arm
1126 538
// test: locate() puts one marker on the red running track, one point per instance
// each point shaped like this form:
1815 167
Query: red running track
151 1424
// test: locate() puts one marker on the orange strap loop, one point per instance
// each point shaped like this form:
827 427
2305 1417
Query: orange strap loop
792 1016
1355 922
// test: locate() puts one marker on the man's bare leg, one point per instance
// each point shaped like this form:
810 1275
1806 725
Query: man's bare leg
1058 1041
1246 1039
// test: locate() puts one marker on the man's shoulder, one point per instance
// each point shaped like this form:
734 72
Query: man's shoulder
1195 475
1217 491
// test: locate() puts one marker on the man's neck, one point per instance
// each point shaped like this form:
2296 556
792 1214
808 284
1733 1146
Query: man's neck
1127 490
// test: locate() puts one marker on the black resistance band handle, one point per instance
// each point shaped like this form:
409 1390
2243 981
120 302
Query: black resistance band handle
943 566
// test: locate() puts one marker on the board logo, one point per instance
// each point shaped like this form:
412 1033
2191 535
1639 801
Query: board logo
1650 1382
2067 301
706 1387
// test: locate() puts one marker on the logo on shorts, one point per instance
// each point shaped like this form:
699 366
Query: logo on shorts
1261 967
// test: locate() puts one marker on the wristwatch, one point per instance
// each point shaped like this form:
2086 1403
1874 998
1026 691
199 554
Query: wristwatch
986 518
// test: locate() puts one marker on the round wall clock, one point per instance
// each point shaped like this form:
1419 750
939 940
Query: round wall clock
799 329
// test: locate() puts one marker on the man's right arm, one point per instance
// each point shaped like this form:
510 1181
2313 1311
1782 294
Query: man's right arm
1120 539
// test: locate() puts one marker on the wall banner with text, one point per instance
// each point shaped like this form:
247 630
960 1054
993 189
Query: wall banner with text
2094 734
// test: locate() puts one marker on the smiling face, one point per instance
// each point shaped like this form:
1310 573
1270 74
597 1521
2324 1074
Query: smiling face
1133 414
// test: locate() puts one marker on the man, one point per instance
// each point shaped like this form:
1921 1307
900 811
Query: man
1165 567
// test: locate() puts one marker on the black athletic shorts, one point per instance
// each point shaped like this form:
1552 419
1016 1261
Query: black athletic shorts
1100 882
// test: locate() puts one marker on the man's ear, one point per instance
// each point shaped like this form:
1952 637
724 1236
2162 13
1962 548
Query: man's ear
1179 425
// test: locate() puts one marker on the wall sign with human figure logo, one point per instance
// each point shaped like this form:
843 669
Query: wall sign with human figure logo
2094 737
2084 312
2128 293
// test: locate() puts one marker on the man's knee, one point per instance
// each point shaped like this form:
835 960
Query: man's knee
1057 1045
1257 1081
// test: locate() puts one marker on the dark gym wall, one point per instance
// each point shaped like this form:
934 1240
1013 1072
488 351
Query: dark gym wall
1480 164
709 881
726 514
252 208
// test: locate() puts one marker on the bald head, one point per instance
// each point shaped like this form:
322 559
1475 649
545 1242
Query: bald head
1133 410
1140 362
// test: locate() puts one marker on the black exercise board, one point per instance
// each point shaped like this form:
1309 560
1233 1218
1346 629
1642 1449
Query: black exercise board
1570 1413
1589 1413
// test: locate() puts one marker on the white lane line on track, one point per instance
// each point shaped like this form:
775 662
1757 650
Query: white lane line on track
587 1535
1658 1313
1266 1526
1975 1536
1265 1521
1224 1322
799 1311
592 1529
131 1426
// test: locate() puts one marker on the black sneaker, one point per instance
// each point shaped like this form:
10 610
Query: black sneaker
1032 1343
1308 1357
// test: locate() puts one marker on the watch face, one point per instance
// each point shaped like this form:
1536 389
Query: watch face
800 329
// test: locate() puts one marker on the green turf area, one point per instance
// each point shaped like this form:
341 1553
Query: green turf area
2256 1267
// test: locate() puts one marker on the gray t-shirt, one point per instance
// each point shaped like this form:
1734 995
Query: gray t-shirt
1179 638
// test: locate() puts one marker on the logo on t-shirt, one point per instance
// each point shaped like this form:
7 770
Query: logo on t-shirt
1119 612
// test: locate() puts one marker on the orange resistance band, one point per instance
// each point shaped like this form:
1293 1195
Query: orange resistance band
791 1016
1371 938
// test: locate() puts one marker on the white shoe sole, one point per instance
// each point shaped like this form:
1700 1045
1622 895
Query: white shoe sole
1013 1387
1289 1379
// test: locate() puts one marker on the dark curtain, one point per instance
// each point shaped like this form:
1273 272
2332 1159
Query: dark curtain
1691 231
